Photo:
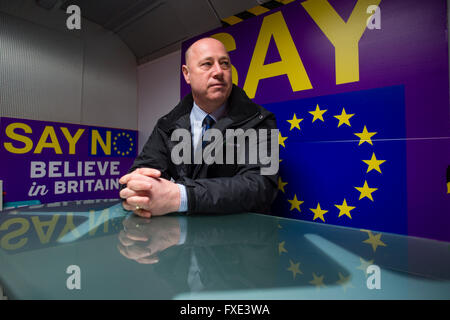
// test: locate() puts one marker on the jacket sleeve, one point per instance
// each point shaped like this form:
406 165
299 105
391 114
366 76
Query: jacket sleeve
154 154
246 191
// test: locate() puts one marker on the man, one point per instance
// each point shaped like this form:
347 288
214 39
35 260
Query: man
201 188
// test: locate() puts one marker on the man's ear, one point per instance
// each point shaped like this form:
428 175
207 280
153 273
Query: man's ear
185 71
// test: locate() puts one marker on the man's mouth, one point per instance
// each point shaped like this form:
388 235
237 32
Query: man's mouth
217 85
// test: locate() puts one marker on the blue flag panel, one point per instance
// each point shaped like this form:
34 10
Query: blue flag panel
343 159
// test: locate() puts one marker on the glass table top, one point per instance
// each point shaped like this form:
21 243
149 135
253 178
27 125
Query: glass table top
97 250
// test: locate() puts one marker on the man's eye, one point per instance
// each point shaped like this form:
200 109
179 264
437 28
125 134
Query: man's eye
206 64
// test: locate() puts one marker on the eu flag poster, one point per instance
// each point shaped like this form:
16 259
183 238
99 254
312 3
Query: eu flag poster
343 159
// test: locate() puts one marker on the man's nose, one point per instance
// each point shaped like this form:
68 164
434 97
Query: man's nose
217 70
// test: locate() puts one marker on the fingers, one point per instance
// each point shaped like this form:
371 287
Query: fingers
139 185
140 201
135 188
139 254
134 176
126 193
133 205
133 252
128 206
124 240
143 213
135 230
124 179
131 236
148 172
148 260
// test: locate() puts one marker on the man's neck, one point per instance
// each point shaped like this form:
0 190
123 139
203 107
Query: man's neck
208 108
217 114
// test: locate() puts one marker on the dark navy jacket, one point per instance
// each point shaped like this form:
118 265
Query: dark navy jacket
221 188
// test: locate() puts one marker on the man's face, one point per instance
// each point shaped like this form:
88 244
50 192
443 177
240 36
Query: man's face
208 71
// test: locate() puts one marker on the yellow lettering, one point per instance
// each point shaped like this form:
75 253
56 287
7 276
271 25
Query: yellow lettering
96 138
230 45
38 225
343 35
69 227
72 140
102 218
5 243
11 134
54 144
274 26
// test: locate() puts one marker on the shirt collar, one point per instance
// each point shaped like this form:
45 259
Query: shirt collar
198 114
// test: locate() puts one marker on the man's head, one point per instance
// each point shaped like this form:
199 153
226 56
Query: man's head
208 72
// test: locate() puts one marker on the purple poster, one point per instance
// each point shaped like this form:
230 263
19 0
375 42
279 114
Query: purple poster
360 90
44 162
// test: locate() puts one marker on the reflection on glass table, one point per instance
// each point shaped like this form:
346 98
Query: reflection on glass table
100 251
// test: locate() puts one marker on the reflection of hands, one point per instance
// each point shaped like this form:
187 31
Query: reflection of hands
147 194
142 239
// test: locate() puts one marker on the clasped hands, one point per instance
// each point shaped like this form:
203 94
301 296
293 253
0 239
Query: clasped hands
143 239
147 194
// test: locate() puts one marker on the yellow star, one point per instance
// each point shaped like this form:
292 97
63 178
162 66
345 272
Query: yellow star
344 209
318 114
344 117
374 240
366 191
317 281
281 184
294 268
281 139
344 281
294 122
295 204
318 212
374 163
364 264
365 136
281 248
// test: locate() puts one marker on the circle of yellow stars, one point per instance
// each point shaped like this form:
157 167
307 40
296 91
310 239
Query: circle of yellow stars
373 164
128 138
317 280
344 209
